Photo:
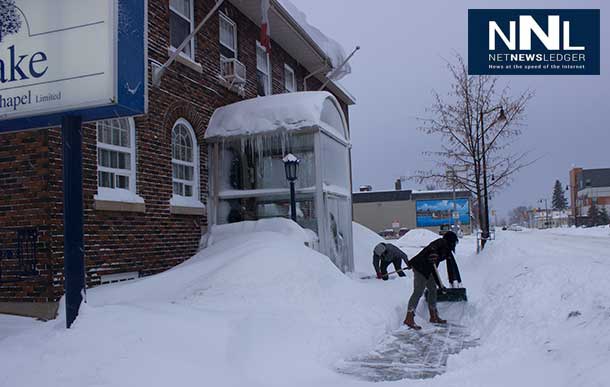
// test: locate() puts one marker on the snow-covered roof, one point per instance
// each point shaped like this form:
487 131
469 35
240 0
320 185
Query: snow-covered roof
333 50
279 112
290 29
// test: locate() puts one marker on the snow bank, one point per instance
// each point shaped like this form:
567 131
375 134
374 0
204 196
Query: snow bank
14 325
600 231
285 227
540 303
287 112
418 237
260 309
334 51
255 308
365 241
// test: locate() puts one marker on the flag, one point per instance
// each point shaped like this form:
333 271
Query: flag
265 32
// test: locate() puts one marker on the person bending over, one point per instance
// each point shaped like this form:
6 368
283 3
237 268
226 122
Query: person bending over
425 276
383 255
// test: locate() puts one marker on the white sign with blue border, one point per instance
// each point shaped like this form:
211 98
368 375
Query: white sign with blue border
80 57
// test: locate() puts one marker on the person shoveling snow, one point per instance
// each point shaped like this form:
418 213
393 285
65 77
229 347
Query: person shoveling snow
425 275
383 255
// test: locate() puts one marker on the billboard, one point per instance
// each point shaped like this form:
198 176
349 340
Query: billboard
431 213
79 57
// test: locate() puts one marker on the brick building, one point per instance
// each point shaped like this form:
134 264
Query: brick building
588 186
146 178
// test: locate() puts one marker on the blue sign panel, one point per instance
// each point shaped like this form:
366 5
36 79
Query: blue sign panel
89 63
534 41
431 213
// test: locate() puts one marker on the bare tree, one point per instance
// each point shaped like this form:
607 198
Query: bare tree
519 215
478 123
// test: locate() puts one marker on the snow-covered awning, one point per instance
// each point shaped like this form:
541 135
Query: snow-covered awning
280 112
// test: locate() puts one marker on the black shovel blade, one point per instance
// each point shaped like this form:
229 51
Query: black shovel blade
452 295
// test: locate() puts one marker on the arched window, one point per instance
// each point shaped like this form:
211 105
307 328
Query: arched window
185 161
116 155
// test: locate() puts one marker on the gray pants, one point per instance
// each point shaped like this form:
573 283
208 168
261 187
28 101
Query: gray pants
419 284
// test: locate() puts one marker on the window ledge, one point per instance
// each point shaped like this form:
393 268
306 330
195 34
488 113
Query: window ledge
184 206
111 205
182 210
237 89
185 60
118 200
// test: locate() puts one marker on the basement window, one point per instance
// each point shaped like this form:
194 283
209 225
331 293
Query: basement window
119 277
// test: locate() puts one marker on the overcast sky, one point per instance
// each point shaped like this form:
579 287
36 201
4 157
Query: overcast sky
404 44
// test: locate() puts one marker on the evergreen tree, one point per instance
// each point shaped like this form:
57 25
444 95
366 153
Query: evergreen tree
559 199
10 19
603 216
593 215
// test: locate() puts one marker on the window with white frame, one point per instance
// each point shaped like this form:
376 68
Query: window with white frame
185 159
290 81
228 37
263 70
116 154
181 21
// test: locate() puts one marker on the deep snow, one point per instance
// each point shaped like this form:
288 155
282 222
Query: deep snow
261 309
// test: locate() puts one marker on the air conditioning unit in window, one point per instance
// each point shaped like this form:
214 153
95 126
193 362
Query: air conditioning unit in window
233 71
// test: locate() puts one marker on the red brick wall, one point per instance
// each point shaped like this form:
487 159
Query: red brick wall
25 201
150 242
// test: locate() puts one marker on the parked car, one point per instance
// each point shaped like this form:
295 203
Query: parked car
402 231
515 227
444 229
388 233
448 227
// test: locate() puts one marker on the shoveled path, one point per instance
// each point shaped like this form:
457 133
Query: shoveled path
410 354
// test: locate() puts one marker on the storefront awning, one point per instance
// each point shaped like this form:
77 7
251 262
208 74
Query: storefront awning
280 112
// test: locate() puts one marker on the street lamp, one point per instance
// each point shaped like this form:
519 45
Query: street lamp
501 118
573 198
291 165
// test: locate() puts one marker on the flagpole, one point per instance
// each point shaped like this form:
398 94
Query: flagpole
338 68
157 72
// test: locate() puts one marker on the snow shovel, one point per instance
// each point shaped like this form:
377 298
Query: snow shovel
449 294
392 272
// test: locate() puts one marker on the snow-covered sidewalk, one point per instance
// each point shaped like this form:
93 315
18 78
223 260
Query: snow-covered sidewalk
261 309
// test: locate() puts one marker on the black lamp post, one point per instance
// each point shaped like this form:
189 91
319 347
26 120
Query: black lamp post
291 165
573 203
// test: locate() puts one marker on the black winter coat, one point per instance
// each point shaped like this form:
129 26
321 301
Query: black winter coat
433 254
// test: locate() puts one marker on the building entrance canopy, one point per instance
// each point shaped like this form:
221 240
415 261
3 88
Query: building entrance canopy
247 142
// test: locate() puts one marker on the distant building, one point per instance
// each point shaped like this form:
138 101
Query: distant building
542 219
407 209
588 186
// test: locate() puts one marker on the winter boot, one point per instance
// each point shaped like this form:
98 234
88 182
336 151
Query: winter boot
410 321
434 316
